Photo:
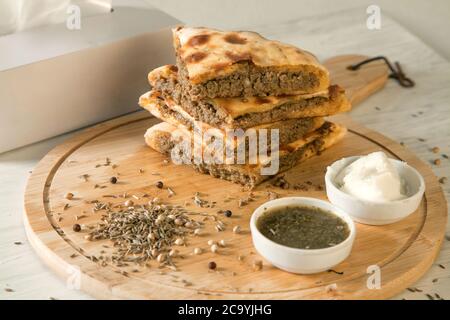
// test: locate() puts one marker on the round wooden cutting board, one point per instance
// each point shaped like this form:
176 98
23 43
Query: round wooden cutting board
403 251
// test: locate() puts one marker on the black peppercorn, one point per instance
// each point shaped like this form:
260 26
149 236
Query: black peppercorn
212 265
113 180
227 213
159 184
76 227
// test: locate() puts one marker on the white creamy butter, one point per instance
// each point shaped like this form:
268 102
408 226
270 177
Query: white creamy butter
373 178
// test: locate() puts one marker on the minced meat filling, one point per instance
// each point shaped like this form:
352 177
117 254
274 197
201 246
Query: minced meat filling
291 130
204 111
249 81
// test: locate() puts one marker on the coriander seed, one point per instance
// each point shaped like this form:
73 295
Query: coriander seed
76 227
113 180
437 162
68 196
435 149
214 248
129 203
159 184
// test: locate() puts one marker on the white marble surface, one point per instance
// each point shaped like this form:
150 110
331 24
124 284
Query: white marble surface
401 114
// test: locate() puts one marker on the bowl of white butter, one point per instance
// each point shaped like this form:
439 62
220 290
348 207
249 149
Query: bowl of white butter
374 189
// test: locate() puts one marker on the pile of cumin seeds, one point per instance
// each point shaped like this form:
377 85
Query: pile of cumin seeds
143 232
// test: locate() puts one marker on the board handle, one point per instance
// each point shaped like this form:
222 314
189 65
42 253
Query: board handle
358 84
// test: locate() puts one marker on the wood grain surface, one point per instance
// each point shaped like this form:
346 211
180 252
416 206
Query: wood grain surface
403 251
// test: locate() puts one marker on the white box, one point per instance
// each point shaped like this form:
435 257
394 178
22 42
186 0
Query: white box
54 80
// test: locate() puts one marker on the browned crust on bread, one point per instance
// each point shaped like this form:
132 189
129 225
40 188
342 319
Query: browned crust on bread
208 53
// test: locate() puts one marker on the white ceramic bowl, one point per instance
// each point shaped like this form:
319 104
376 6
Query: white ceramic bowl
373 212
304 261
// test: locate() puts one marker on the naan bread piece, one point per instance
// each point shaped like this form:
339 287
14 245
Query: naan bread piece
163 137
289 130
251 111
214 63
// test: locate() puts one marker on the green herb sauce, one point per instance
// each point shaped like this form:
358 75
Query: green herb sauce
303 227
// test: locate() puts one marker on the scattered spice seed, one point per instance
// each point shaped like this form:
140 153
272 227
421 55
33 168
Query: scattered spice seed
212 265
85 177
337 272
18 243
80 217
435 280
219 227
76 227
222 243
68 196
171 192
429 296
214 248
228 213
242 202
179 242
198 232
442 180
211 242
441 266
9 290
161 258
272 195
198 251
237 229
281 182
113 180
159 184
173 253
257 265
435 149
421 139
445 156
129 203
437 162
411 289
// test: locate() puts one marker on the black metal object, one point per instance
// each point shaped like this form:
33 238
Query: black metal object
396 72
